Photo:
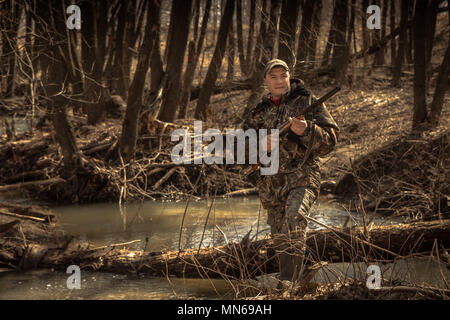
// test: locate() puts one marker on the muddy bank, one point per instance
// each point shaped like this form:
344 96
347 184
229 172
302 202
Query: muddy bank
409 177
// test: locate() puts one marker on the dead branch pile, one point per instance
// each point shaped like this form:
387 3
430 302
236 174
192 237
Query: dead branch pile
34 164
408 177
26 234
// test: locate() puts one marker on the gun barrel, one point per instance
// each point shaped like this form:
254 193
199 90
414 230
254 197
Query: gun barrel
283 128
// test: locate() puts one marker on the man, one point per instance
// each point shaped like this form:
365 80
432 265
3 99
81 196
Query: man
289 194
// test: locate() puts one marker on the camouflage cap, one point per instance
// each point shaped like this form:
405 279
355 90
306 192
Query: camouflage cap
275 63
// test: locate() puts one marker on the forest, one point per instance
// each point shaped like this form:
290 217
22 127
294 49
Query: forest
91 93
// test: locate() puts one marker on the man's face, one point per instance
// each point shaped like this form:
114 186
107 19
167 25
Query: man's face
277 81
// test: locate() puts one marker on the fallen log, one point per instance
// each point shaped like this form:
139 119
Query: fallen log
248 259
34 211
226 87
26 175
29 184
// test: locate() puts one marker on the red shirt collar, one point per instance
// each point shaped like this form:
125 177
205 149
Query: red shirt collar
276 101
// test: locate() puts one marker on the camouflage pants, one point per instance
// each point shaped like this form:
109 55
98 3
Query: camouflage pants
289 214
288 224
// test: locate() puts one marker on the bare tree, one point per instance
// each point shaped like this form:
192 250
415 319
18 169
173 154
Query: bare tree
392 28
180 19
192 65
442 84
305 36
315 32
401 44
118 83
420 21
216 61
240 40
331 38
268 42
54 77
341 49
9 26
231 53
250 39
365 34
128 137
288 27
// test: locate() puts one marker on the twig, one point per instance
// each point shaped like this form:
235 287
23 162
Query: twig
181 227
206 222
355 237
164 178
115 245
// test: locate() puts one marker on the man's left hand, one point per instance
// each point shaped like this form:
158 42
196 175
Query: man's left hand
298 125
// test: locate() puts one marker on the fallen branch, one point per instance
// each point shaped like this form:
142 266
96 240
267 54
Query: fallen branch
226 261
37 183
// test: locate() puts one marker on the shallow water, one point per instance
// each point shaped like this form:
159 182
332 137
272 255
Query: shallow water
21 124
229 220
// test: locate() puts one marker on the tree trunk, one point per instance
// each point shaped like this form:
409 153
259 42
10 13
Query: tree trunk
250 40
187 81
365 34
341 49
268 41
442 84
420 104
392 28
102 32
92 92
216 61
410 35
128 137
231 53
9 24
304 38
315 33
240 40
264 13
156 63
331 37
180 19
118 84
401 44
379 56
381 33
288 28
196 17
54 79
431 27
192 65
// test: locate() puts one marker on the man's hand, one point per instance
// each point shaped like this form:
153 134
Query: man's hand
270 142
298 125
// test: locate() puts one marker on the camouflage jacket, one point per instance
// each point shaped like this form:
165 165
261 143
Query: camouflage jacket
320 137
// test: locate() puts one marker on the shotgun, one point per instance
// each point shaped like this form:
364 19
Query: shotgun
287 124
